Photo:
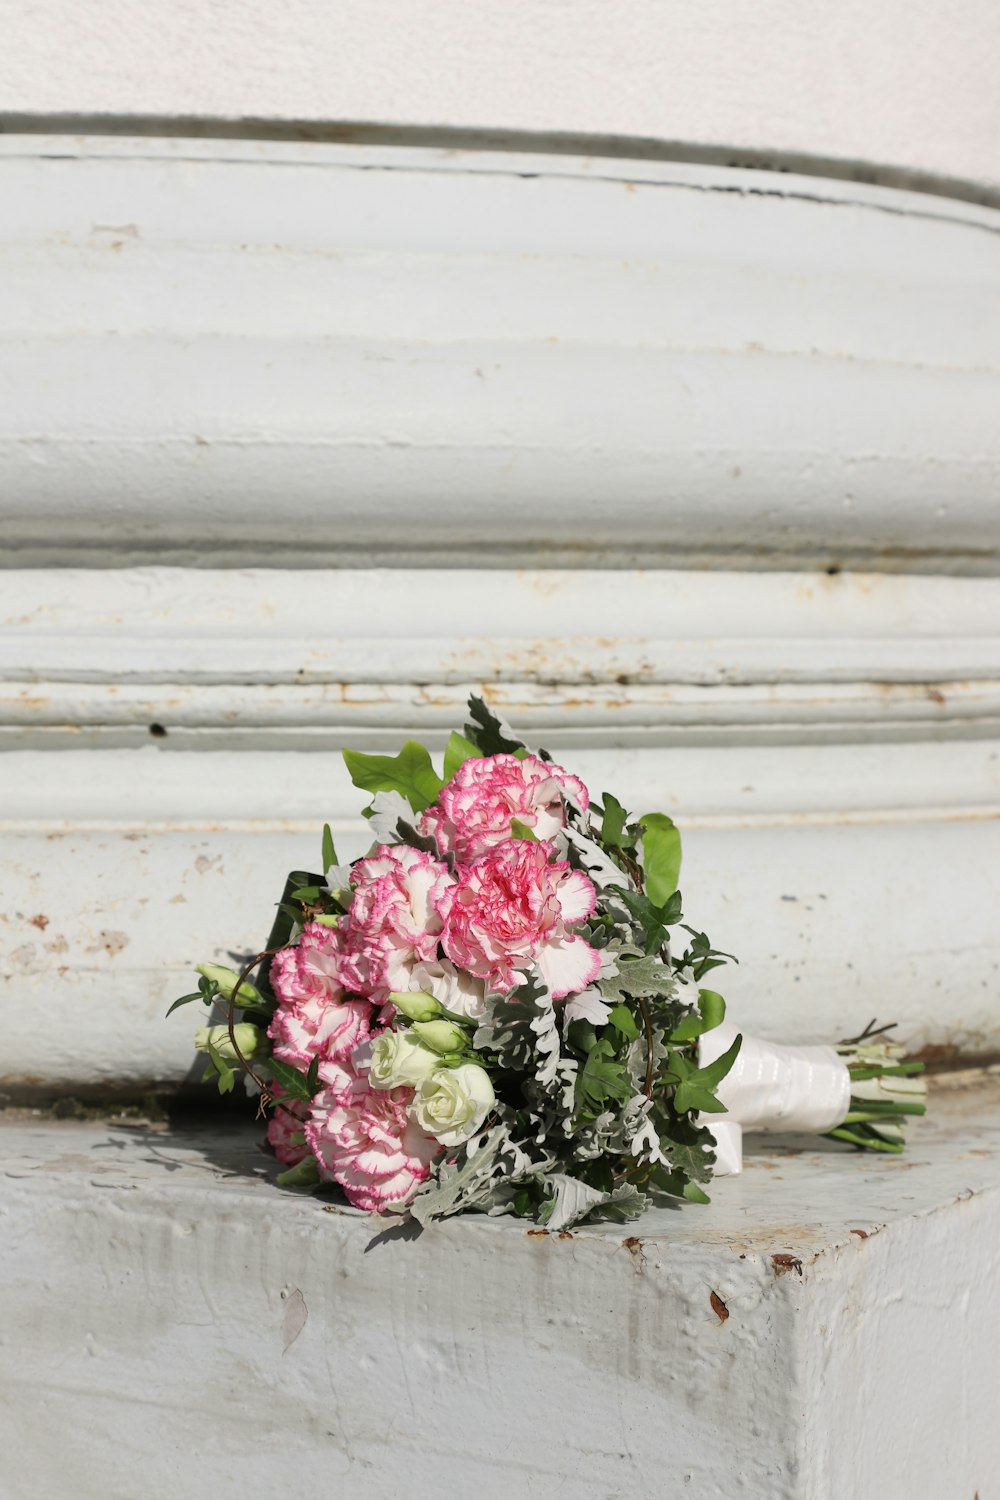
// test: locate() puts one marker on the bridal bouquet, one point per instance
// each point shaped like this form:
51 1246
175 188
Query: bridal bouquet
491 1009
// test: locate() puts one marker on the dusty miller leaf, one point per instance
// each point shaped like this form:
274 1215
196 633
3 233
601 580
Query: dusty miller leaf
492 735
638 977
387 810
599 866
575 1201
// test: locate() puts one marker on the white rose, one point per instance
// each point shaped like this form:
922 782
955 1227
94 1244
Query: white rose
247 1039
463 994
227 980
453 1102
397 1058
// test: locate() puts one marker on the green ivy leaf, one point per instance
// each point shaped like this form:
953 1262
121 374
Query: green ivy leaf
185 1000
410 773
614 821
329 849
308 893
602 1077
712 1007
225 1070
699 1084
291 1079
661 856
458 752
711 1012
622 1019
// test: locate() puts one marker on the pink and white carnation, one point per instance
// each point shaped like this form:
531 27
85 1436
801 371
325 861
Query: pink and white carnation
311 970
364 1139
513 909
475 810
394 920
286 1129
329 1030
315 1018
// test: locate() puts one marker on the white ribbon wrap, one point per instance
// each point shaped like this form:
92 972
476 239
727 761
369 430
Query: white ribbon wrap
771 1087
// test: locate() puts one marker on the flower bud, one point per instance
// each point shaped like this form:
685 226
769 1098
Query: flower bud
415 1004
397 1058
248 1038
227 980
441 1036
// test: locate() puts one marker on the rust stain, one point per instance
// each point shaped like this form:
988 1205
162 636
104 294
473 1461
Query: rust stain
537 1234
637 1254
41 921
719 1307
112 942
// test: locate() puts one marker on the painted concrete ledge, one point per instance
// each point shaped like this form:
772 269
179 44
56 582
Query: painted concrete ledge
825 1328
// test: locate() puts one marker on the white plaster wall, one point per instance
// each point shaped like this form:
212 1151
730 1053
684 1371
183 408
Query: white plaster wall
263 352
902 84
830 747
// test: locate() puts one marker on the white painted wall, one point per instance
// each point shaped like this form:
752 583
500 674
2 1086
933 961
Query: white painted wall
261 352
244 377
905 85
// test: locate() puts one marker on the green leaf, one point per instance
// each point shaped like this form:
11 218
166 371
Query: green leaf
329 849
304 1174
602 1077
712 1007
490 734
225 1070
693 1193
286 917
715 1072
185 1000
696 1091
622 1019
308 893
458 752
711 1012
614 821
521 831
689 1098
661 856
294 1083
410 773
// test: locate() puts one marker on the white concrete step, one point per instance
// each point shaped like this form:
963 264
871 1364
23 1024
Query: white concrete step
173 1324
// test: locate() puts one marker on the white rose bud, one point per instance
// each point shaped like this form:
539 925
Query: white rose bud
247 1039
415 1004
452 1103
398 1058
227 980
442 1036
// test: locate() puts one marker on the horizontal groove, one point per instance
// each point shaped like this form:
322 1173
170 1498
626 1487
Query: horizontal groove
485 139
